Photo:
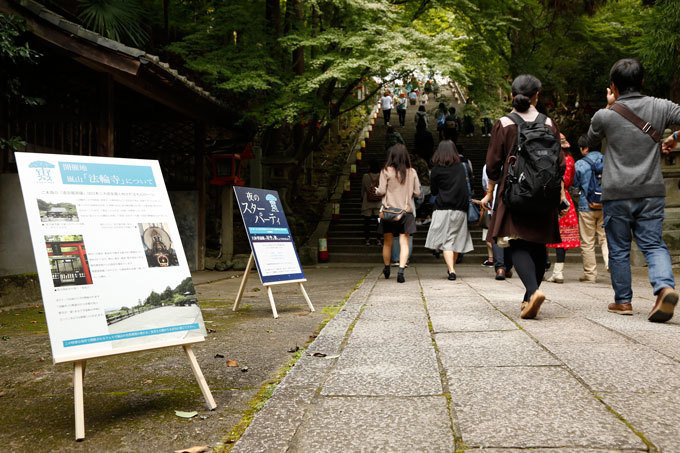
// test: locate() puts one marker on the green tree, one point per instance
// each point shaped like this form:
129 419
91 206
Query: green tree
167 294
658 47
292 68
154 299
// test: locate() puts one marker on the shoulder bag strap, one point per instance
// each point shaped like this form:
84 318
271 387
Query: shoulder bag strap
641 124
590 162
519 121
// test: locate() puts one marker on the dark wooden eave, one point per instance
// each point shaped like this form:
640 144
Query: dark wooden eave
128 66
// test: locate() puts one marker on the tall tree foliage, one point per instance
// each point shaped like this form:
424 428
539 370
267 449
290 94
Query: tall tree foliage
659 47
293 67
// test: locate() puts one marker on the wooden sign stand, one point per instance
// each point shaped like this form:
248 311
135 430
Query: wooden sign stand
244 280
79 377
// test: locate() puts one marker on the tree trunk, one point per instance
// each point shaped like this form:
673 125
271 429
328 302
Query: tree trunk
675 89
298 53
316 23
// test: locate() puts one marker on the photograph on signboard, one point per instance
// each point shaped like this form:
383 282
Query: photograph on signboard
157 245
57 210
170 308
68 260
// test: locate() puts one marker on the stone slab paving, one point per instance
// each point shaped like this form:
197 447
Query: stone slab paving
433 365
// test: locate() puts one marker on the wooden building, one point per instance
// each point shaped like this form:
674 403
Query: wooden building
104 98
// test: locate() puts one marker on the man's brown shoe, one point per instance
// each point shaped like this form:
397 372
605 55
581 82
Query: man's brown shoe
664 306
500 274
621 309
530 310
585 278
508 274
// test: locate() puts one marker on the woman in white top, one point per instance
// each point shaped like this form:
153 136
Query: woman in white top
386 102
398 185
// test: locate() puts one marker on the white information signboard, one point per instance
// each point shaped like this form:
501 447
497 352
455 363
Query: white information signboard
113 274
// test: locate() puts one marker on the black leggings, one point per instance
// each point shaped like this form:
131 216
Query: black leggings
529 261
402 116
561 254
386 115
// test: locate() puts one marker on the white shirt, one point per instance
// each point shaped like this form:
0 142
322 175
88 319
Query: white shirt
386 102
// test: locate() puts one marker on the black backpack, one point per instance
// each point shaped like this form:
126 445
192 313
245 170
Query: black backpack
451 122
534 180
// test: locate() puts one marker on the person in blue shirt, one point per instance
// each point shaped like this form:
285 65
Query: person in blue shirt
590 217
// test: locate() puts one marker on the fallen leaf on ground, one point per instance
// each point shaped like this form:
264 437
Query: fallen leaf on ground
302 313
232 362
319 354
148 381
34 322
312 336
198 449
186 414
42 359
270 331
335 356
295 349
244 369
256 289
35 373
211 331
2 394
219 356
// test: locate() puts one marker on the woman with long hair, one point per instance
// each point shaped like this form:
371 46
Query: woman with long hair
448 231
398 185
568 223
524 234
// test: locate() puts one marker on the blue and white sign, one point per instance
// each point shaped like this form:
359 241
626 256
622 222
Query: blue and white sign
113 274
270 239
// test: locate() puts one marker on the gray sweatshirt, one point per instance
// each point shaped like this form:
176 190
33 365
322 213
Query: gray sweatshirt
632 166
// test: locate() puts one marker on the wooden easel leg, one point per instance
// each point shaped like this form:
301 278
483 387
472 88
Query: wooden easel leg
202 384
271 301
78 400
304 293
244 280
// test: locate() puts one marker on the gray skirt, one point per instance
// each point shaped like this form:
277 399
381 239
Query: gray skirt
449 232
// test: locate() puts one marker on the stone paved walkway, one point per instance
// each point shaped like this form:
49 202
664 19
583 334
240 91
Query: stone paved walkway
433 365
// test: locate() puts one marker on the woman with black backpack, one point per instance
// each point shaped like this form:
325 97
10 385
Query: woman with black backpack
529 201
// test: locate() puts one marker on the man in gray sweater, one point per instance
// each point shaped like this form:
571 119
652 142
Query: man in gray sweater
633 192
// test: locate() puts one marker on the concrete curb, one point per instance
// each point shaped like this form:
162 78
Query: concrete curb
274 427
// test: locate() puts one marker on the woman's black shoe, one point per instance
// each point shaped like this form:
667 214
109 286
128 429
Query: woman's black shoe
386 271
452 275
400 278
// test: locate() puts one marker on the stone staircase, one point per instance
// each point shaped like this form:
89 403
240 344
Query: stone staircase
345 236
